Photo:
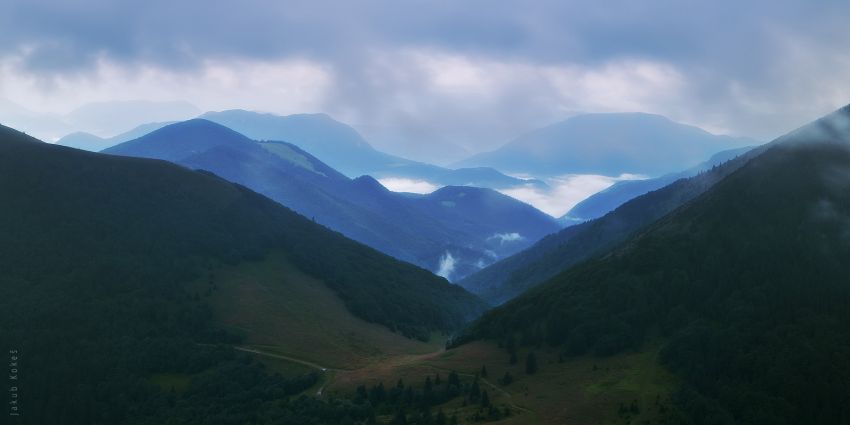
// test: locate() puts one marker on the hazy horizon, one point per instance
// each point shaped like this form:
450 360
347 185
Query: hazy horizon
433 81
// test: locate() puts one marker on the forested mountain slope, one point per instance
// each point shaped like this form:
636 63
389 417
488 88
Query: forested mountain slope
101 256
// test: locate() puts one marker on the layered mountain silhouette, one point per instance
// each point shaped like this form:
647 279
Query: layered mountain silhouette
745 287
455 230
343 148
619 193
92 143
607 144
514 275
46 125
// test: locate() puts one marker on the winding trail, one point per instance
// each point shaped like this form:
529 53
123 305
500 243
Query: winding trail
310 364
283 357
326 370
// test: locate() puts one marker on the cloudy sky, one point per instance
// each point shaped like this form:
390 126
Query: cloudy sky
437 79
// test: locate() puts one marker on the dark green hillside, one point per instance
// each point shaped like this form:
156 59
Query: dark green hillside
94 251
746 286
111 206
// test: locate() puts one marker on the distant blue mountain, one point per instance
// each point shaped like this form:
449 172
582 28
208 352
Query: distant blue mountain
621 192
90 142
343 148
114 117
337 144
455 230
607 144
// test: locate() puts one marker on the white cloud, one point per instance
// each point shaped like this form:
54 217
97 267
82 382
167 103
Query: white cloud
616 86
507 237
447 265
397 184
284 86
566 191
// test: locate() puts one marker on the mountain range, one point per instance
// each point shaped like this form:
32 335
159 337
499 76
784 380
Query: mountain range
158 282
92 143
104 119
343 148
453 231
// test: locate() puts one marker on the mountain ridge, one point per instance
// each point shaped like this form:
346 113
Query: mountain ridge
609 144
414 229
340 146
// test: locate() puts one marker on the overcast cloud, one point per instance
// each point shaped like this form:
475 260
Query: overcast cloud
439 79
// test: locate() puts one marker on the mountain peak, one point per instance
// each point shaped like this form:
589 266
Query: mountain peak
179 140
197 124
334 143
369 182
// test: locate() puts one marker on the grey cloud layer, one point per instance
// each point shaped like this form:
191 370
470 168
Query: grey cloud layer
754 68
71 33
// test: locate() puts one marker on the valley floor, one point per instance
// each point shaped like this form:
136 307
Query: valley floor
295 324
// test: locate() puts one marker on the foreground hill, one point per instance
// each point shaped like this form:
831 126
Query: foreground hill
456 230
746 287
607 144
108 263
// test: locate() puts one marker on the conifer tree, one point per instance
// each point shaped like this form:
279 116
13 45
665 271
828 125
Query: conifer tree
454 379
531 364
485 399
475 391
440 419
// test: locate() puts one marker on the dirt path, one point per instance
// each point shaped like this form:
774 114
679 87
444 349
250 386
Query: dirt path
328 375
282 357
324 370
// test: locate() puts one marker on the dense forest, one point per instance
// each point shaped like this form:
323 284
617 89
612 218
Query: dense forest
746 287
96 251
